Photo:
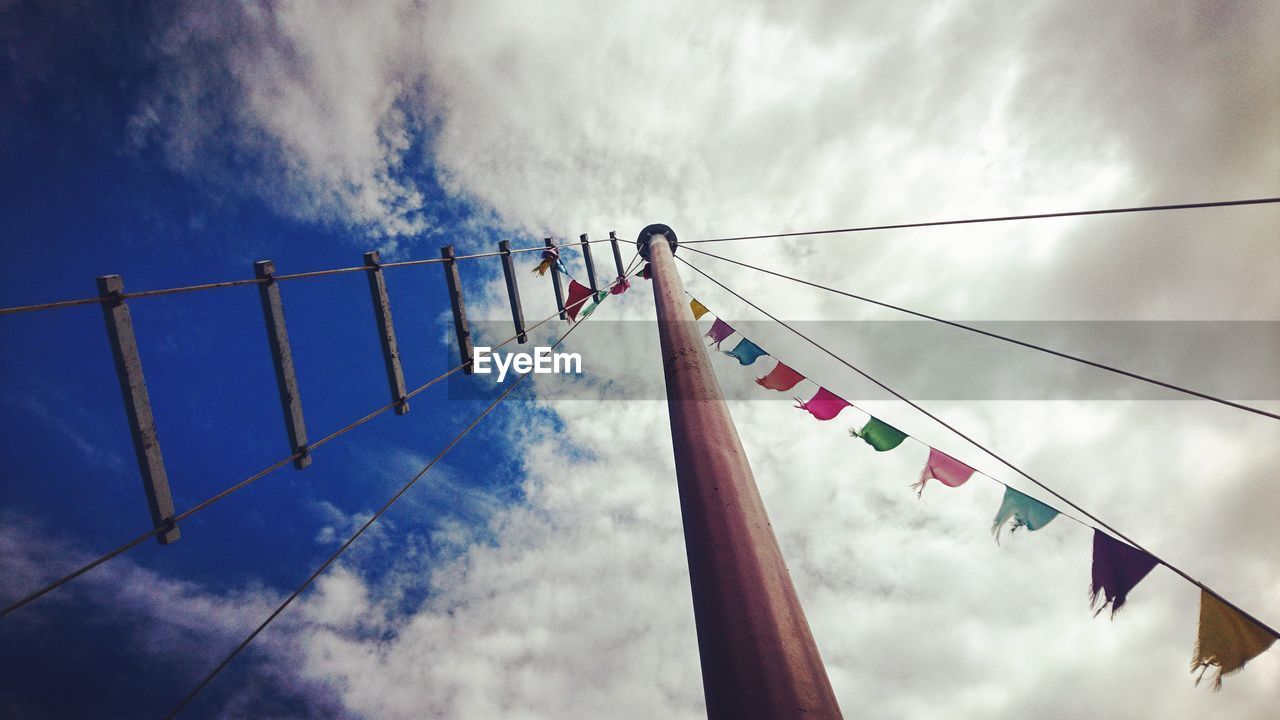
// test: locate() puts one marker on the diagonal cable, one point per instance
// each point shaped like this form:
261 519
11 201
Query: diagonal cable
374 518
997 336
125 547
1003 218
988 451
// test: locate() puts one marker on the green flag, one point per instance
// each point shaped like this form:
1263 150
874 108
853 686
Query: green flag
880 435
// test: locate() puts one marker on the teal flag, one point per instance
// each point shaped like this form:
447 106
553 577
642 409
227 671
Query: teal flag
1025 512
746 352
880 435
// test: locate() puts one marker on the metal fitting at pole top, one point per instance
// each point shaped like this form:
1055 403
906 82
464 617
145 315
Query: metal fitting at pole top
642 242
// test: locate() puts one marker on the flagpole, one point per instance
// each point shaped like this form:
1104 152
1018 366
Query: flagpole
759 659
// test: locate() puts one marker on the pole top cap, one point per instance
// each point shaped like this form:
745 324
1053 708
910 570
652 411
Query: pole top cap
642 242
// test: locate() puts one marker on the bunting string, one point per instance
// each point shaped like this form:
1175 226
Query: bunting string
916 406
997 336
1228 636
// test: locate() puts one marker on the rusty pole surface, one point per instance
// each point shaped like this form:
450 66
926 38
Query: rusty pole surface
759 659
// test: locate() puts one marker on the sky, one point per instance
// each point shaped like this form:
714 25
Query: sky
539 570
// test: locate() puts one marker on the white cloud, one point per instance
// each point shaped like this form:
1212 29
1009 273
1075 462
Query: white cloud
304 106
726 120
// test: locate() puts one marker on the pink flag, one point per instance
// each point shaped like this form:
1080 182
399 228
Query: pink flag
824 404
780 378
719 331
943 468
620 287
578 296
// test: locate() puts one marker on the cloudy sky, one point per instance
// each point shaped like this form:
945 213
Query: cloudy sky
539 572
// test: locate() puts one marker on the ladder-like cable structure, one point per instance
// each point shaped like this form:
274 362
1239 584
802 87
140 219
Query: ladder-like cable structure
1002 218
1092 517
1006 338
835 231
204 504
284 276
356 535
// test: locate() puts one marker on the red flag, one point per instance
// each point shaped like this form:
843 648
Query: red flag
578 296
780 378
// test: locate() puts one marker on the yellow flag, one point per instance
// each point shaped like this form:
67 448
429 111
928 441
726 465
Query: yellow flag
698 309
1227 640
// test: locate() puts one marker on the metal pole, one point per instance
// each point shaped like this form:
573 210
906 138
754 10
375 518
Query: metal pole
759 659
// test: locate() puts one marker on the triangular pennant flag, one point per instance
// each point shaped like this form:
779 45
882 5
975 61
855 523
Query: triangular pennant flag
824 404
1117 568
578 294
747 352
1227 640
880 435
780 378
698 309
943 468
647 272
718 332
591 308
543 266
1025 512
620 287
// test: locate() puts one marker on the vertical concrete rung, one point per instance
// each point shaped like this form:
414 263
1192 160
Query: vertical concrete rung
137 405
386 331
555 282
591 266
617 254
282 359
466 351
513 291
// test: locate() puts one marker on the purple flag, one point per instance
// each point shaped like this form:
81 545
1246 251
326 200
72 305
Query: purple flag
1117 568
718 332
